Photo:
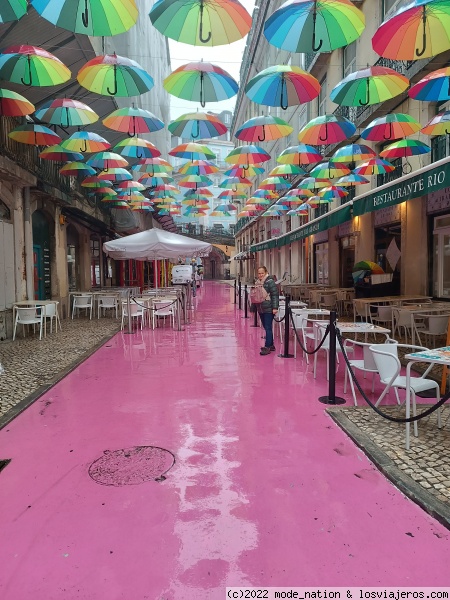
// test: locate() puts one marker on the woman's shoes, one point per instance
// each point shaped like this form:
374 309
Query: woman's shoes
265 351
271 348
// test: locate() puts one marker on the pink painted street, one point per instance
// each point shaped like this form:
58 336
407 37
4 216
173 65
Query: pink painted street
265 490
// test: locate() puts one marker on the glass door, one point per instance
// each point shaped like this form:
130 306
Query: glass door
441 257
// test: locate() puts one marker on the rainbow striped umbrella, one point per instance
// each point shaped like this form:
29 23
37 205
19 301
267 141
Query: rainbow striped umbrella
374 166
286 171
232 195
314 25
439 125
59 154
317 201
114 174
247 213
103 190
247 155
263 129
264 194
201 82
132 120
106 160
391 127
314 183
152 166
195 202
130 185
95 182
77 169
274 184
192 151
244 171
137 148
66 113
85 141
13 104
91 17
326 129
12 10
300 211
351 180
260 201
296 193
113 75
333 192
198 167
32 66
197 126
282 85
302 154
420 29
353 153
404 148
236 183
434 87
371 85
199 192
329 170
155 180
35 135
195 181
201 22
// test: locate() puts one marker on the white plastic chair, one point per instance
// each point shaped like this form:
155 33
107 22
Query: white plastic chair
319 330
51 312
163 308
136 312
382 315
389 367
437 327
304 331
82 302
28 316
403 322
105 303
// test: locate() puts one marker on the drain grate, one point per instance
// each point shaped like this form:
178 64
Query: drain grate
4 463
132 466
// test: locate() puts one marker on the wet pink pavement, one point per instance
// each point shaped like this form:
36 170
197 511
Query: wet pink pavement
266 490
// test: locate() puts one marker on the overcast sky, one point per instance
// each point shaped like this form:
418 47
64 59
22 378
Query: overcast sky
227 57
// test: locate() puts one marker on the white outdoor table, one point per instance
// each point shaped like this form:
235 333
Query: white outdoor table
36 303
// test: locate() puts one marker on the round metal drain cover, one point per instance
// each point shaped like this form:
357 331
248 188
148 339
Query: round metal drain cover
131 466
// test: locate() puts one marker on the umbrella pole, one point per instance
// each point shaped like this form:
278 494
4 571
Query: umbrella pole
155 267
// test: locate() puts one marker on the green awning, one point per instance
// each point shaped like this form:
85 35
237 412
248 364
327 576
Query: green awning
411 187
264 245
336 217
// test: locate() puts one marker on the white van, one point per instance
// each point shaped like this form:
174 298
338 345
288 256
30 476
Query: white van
181 274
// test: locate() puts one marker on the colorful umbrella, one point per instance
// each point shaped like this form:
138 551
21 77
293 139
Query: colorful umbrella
199 192
434 87
12 10
232 195
404 148
244 171
283 86
391 127
236 183
201 82
286 171
314 25
66 113
13 104
192 151
247 155
295 193
114 174
36 135
368 265
371 85
137 148
314 183
112 75
333 192
263 129
201 22
198 167
152 166
133 120
274 184
77 169
85 141
329 170
159 179
374 166
130 185
91 17
264 194
59 154
326 129
302 154
95 182
195 181
351 180
197 126
32 66
106 160
439 125
418 30
353 153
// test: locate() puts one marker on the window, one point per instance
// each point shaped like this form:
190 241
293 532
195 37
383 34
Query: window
349 59
95 261
441 257
322 99
392 6
303 115
321 263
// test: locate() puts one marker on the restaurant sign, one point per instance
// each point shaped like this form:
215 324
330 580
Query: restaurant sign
413 187
264 246
321 224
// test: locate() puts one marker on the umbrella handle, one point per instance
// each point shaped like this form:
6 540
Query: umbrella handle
134 129
67 118
368 95
28 83
390 132
261 139
326 134
202 101
200 33
407 167
424 35
198 132
314 47
114 92
283 87
85 147
85 14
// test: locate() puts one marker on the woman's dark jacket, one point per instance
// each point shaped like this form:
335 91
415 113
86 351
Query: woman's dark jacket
273 302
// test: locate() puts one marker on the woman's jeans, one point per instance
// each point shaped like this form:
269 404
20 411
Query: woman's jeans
267 321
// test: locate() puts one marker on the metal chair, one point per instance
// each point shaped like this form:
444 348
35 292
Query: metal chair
28 316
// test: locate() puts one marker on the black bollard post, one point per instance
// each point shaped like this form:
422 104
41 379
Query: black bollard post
287 318
245 302
240 294
235 290
255 317
332 398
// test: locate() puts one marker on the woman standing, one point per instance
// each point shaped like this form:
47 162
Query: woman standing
268 309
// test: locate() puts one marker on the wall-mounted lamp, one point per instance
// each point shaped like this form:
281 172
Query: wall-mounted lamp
62 219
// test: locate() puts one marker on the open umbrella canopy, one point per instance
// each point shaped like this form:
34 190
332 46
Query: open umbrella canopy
66 113
314 25
130 185
197 126
198 167
333 192
59 154
329 170
286 171
434 87
302 154
195 181
95 182
374 166
199 192
368 265
371 85
113 75
12 10
36 135
133 120
236 183
155 180
201 22
419 29
85 141
201 82
13 104
106 160
115 174
137 148
244 171
274 184
263 129
91 17
391 127
32 66
351 180
404 148
326 129
248 154
192 151
315 183
438 125
282 85
77 169
353 153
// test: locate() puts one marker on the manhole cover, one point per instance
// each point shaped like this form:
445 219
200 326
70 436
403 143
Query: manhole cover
4 463
131 466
